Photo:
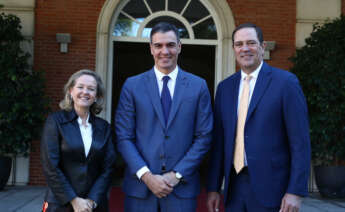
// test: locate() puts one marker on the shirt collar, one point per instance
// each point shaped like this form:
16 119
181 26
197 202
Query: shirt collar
80 122
254 74
172 75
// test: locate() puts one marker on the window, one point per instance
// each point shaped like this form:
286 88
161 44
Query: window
191 17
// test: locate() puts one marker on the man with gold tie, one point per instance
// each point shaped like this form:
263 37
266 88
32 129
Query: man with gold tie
261 136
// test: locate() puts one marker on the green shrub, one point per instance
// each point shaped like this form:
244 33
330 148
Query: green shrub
22 100
320 66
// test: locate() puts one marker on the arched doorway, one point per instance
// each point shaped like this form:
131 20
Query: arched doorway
123 43
216 14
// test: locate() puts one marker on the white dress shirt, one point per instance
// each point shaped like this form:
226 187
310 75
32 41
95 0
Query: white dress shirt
86 134
171 86
252 83
171 82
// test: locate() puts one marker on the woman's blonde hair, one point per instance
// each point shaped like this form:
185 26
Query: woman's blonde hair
67 102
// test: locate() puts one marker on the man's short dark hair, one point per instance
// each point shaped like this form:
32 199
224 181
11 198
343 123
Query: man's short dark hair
249 25
164 27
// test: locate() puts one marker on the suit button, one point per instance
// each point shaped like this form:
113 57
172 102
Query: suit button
166 137
161 156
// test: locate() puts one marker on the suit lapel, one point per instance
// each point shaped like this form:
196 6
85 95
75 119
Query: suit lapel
97 137
72 132
152 89
181 84
76 138
235 91
261 85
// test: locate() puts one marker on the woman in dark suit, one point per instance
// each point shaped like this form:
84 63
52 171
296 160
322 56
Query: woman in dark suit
77 149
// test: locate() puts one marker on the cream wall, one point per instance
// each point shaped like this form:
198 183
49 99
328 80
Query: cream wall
313 11
24 9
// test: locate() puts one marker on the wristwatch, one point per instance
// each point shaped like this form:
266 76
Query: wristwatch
94 205
178 175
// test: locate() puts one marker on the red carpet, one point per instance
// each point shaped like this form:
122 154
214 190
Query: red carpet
117 199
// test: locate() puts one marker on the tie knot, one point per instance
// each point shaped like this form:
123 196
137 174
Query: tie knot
248 78
166 79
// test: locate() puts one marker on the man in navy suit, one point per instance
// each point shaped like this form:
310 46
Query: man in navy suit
163 125
261 135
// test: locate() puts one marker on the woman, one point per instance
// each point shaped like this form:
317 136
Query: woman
77 149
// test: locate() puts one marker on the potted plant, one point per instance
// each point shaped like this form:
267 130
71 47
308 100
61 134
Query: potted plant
22 100
320 67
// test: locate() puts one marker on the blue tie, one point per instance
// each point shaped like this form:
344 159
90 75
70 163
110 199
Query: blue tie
166 98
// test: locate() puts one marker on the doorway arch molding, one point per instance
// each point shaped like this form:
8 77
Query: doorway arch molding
166 13
225 59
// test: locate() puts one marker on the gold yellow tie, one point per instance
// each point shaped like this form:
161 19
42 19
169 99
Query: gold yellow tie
242 114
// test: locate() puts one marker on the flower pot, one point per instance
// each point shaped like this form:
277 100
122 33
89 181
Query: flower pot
330 181
5 170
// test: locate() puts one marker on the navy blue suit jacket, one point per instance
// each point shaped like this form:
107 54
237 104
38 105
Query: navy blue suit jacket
143 139
276 135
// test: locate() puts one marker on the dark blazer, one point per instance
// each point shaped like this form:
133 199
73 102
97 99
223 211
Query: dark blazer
276 136
144 139
69 173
